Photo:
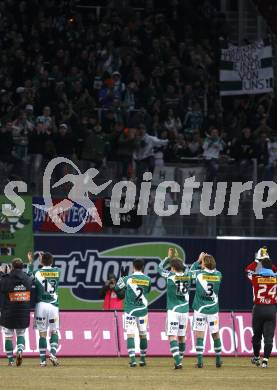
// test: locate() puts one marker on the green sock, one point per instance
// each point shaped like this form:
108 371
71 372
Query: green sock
54 342
199 349
182 348
20 341
174 349
217 349
143 349
42 349
131 349
9 350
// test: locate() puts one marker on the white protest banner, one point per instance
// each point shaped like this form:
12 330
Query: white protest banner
246 69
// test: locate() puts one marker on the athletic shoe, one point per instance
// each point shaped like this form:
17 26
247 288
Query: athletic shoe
178 366
142 364
11 364
199 365
133 364
264 363
19 358
43 364
218 364
256 360
54 360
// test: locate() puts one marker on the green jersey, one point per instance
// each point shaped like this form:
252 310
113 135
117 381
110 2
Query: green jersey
178 283
137 287
46 284
207 283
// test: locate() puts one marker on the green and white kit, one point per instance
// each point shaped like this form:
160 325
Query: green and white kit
205 303
137 287
178 284
47 307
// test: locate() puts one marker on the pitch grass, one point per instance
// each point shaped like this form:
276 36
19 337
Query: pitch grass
114 373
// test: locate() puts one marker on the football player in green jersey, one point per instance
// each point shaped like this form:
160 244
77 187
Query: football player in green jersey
205 304
137 287
46 280
178 282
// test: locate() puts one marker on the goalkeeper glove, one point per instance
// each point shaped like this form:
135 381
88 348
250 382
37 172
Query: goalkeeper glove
261 254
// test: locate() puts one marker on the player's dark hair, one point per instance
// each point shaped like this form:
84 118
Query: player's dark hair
266 263
177 264
138 264
17 263
209 262
47 259
111 275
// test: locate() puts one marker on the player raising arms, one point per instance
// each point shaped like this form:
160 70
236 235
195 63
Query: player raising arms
47 306
137 286
178 283
205 304
264 281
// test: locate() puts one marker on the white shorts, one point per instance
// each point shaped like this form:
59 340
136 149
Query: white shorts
46 317
176 323
132 324
10 332
200 321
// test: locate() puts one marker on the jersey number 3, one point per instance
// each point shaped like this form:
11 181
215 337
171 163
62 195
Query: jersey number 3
210 290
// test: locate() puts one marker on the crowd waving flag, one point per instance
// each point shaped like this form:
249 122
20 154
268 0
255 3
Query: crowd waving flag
246 69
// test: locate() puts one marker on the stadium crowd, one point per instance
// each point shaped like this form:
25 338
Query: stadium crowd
117 82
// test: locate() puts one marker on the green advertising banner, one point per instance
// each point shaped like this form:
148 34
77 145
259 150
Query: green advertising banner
16 230
87 260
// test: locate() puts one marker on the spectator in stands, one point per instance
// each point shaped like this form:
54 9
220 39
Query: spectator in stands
29 109
95 147
243 151
144 152
171 97
45 118
195 144
21 128
126 145
6 143
263 128
64 142
141 117
260 113
182 149
36 145
270 171
194 117
7 157
107 94
129 101
118 85
261 150
172 122
108 121
213 147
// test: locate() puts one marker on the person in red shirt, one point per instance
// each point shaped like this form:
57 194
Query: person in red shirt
112 300
263 276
